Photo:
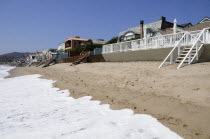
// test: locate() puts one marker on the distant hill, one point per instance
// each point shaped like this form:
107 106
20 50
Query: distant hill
16 54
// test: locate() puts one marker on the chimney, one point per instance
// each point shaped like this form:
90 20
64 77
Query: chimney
163 18
141 29
76 36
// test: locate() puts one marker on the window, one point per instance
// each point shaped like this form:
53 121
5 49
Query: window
129 36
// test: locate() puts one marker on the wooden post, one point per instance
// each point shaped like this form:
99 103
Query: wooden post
187 38
204 37
178 50
196 51
71 43
171 58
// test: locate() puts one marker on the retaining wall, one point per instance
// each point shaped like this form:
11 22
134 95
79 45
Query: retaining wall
140 55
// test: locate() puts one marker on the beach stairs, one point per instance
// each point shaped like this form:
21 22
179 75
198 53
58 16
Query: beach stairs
183 54
40 63
30 64
81 59
50 62
189 48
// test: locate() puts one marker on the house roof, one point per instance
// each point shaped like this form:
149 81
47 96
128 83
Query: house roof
199 26
154 26
98 42
165 31
77 39
205 19
185 25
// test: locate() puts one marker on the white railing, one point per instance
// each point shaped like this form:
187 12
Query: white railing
163 41
200 39
169 40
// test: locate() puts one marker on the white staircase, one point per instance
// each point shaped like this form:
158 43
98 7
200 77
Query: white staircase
190 52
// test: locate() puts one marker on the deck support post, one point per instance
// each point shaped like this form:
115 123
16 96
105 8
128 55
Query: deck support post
204 37
189 59
178 50
111 48
196 51
187 39
171 58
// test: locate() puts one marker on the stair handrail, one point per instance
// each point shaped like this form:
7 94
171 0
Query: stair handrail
173 49
198 51
189 52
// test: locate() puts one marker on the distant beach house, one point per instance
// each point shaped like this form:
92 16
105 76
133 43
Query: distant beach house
31 58
77 42
160 27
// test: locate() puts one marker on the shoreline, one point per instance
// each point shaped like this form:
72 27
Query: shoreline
179 99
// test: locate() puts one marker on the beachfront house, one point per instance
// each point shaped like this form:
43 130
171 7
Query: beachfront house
49 54
157 28
74 43
39 56
31 58
162 40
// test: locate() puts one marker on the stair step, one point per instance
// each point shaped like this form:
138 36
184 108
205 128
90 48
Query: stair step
179 61
181 58
189 48
193 51
183 54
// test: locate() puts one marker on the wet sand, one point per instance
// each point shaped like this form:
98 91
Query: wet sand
180 99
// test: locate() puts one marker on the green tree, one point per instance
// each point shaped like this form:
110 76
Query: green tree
91 46
112 40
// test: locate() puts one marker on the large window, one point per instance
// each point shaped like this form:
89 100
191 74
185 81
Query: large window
129 36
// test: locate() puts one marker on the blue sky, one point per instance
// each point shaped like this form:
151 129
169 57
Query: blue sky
30 25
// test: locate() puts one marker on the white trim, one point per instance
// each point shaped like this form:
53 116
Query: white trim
205 19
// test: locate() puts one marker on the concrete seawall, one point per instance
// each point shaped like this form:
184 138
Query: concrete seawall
144 55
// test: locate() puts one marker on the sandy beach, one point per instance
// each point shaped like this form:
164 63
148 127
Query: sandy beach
180 99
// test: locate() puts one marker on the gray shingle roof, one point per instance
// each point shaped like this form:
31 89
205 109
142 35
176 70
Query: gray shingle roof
154 26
